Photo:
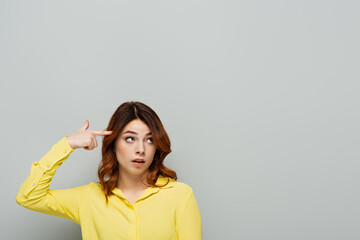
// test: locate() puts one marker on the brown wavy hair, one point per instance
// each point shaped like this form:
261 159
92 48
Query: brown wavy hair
108 170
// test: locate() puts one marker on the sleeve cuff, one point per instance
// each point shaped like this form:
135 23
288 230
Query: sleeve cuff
67 143
59 151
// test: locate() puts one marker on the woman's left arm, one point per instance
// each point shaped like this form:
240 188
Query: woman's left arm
188 224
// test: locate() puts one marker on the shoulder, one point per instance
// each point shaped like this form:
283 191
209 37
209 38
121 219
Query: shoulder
173 184
94 187
181 189
184 194
181 186
87 188
95 191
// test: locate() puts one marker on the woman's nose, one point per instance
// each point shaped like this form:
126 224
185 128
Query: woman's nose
140 148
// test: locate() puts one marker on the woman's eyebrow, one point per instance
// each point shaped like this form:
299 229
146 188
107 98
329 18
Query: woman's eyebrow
149 133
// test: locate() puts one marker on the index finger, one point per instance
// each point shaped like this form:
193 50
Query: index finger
101 133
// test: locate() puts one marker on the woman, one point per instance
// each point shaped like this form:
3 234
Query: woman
137 197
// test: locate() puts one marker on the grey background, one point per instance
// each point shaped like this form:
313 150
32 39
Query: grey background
260 100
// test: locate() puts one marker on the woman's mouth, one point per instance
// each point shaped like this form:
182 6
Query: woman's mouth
138 162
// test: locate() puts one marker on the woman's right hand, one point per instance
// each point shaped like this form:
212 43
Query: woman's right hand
85 139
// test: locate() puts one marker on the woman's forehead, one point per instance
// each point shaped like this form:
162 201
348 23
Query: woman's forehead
137 126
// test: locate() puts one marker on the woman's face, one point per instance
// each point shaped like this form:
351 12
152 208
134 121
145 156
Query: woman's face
135 141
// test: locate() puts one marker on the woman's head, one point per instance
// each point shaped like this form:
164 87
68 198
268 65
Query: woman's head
137 132
134 149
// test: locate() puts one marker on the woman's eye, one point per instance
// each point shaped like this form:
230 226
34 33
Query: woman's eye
128 138
132 139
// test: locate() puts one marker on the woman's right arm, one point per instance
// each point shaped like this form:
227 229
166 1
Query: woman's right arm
34 193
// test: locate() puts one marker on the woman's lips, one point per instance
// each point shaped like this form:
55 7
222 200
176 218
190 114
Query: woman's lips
138 163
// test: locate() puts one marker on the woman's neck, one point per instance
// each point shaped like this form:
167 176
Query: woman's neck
132 183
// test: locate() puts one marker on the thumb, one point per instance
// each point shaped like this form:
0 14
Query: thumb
85 126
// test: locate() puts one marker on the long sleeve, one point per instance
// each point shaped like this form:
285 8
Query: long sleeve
188 224
34 193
